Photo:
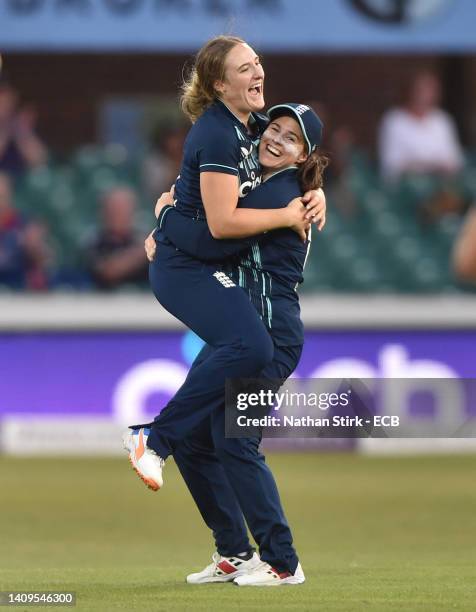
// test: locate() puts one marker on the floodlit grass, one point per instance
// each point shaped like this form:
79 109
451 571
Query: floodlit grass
373 534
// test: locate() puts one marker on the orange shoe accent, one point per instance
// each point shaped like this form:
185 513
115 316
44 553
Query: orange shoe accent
151 484
140 450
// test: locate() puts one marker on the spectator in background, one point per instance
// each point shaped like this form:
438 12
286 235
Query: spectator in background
420 137
20 147
464 252
162 165
116 255
25 258
339 145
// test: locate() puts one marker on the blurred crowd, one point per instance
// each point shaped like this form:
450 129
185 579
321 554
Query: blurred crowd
418 146
24 254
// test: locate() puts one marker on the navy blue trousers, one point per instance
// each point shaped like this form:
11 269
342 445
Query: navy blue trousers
231 482
222 315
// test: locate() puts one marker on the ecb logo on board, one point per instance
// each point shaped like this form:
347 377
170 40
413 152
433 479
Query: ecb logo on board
400 12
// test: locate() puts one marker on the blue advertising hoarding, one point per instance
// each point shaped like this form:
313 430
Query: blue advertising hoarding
128 376
270 25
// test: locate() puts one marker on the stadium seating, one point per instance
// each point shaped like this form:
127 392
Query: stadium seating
383 246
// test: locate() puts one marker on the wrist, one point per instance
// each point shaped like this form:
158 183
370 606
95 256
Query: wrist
288 217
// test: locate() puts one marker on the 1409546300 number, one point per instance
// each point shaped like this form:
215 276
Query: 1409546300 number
39 598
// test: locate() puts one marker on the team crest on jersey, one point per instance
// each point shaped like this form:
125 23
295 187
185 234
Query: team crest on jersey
224 279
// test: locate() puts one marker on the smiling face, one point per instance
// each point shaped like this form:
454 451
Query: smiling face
282 144
242 87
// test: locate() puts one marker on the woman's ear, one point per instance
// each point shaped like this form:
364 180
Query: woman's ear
219 87
302 158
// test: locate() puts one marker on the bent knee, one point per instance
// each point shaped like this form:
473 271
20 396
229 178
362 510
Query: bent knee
259 351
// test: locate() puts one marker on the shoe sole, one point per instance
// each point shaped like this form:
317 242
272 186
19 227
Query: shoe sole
218 579
128 446
284 582
150 484
213 580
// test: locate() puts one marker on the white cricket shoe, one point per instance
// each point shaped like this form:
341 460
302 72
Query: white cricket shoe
143 459
224 569
265 575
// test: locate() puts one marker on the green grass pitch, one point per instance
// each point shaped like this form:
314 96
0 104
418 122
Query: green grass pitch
373 534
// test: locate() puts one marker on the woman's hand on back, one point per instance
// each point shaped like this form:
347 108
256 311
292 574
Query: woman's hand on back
150 246
166 199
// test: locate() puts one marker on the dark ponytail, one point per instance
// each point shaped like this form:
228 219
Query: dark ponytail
310 172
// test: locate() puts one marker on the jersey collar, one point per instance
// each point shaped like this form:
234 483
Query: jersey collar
279 172
257 121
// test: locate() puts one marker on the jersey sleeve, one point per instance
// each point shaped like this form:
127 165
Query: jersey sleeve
193 237
219 150
271 194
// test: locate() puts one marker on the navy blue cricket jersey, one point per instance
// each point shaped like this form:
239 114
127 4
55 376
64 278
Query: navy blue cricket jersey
269 267
218 142
272 267
281 253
